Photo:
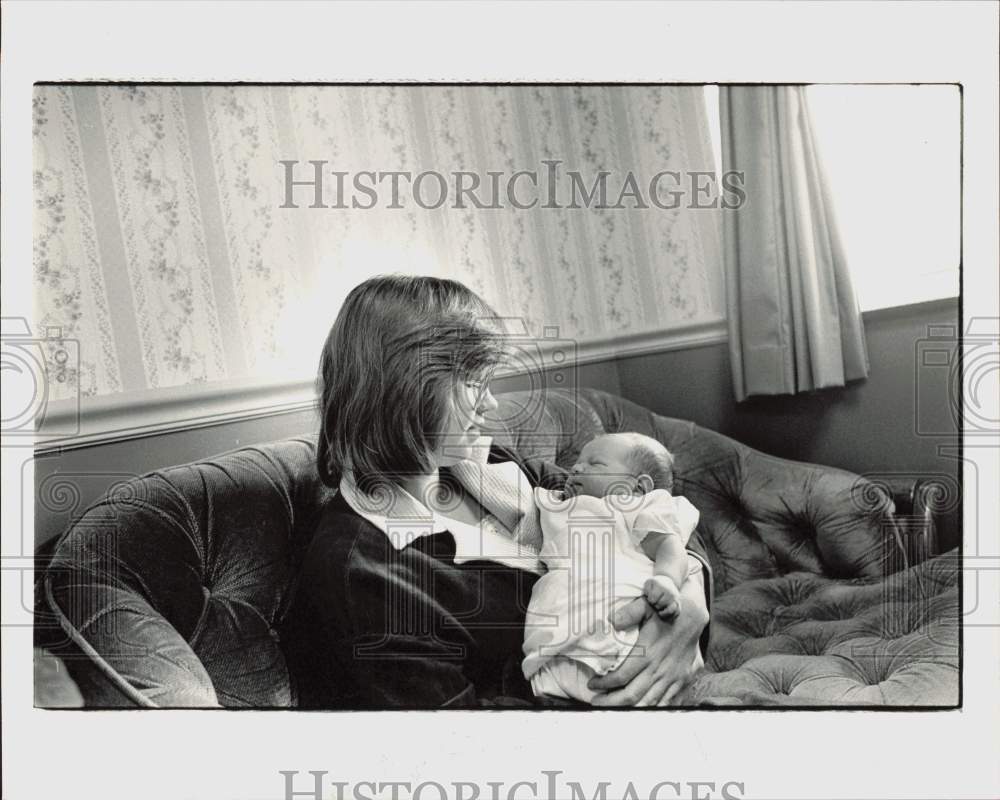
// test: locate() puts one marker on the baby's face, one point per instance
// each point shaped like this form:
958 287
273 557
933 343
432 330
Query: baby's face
602 469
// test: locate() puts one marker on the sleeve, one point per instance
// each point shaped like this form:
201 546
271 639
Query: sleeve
376 632
395 644
705 575
666 514
401 643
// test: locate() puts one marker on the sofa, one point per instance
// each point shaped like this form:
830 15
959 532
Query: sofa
171 591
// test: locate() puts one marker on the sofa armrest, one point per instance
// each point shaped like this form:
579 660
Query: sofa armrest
917 502
119 649
146 663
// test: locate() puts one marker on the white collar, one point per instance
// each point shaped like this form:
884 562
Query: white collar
394 511
404 519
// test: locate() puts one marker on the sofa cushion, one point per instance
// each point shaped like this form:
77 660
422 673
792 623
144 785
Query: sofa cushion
822 641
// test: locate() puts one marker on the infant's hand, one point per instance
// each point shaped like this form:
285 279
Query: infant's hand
663 595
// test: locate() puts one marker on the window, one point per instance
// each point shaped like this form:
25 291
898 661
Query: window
892 156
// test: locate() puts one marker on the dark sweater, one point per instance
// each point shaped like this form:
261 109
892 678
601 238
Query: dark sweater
375 627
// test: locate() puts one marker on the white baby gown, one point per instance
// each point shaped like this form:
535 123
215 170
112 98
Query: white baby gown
595 565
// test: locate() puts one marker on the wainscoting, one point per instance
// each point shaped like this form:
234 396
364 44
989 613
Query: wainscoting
897 421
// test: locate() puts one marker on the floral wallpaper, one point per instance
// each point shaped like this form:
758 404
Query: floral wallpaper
161 245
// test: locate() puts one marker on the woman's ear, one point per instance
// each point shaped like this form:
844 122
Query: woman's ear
645 483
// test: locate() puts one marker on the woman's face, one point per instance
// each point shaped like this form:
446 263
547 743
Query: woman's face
462 438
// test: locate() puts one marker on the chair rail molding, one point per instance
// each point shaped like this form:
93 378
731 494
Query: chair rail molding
121 417
67 424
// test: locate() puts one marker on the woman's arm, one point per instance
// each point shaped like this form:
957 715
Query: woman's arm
393 642
539 472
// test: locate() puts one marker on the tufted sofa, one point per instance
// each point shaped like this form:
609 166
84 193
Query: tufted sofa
171 591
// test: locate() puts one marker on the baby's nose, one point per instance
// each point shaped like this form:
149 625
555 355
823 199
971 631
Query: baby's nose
577 468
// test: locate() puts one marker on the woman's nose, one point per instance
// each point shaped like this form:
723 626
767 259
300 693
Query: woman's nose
487 402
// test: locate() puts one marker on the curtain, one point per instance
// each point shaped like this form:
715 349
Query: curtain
794 320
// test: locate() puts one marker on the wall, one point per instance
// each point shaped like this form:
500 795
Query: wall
170 252
874 426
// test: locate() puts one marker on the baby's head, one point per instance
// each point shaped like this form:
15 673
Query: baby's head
621 463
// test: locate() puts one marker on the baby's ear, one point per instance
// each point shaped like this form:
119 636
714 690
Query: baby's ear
645 483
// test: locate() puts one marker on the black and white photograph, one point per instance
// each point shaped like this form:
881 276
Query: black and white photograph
582 351
497 399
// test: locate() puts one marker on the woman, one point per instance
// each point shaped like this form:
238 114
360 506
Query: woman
417 579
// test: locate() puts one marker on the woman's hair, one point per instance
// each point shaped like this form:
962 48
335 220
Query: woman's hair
389 368
649 456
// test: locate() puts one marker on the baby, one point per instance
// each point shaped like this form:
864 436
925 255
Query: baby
613 534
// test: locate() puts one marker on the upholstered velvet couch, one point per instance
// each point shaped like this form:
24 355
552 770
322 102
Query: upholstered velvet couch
172 590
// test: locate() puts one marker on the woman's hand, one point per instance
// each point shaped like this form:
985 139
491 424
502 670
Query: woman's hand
663 656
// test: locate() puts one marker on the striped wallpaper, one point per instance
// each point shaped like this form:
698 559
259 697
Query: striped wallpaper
160 244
